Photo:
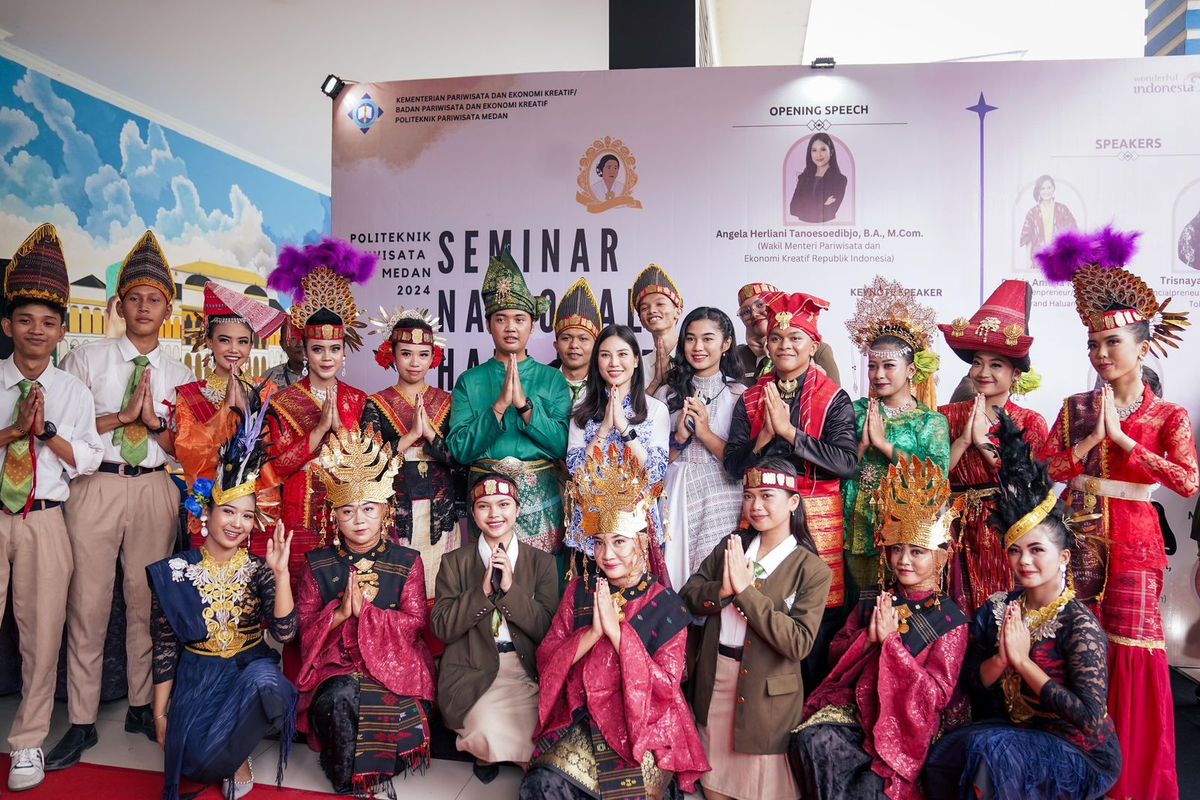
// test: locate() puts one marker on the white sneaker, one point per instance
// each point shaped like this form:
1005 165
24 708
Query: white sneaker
28 769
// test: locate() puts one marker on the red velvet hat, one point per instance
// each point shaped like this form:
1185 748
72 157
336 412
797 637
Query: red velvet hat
1000 326
221 302
797 310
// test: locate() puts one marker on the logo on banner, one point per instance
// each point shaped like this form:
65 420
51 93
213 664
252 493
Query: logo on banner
365 114
607 175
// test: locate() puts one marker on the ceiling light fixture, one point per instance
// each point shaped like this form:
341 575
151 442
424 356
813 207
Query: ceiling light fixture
818 63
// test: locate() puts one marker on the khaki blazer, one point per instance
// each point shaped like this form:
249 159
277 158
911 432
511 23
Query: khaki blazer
770 691
462 618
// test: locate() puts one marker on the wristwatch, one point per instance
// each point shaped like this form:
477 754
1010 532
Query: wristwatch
49 432
630 434
162 426
527 407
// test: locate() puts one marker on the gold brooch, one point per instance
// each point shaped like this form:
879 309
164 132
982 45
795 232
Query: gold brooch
986 326
959 326
1012 334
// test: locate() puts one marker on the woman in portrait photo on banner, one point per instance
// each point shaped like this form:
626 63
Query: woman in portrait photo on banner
613 721
607 186
892 690
367 679
1046 220
616 419
209 411
1113 447
898 416
1036 667
703 387
217 686
413 418
303 416
995 342
821 187
761 592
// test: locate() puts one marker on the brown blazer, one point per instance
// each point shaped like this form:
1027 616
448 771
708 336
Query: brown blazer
770 692
462 618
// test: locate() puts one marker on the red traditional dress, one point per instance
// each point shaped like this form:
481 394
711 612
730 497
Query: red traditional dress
883 703
374 668
981 565
296 411
1127 590
622 710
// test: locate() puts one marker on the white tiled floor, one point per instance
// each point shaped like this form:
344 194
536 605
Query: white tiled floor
444 780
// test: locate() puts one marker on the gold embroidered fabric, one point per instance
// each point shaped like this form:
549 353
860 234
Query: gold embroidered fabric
222 589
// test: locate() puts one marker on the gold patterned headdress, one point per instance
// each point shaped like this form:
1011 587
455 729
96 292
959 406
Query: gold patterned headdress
357 467
887 308
1106 295
614 497
318 279
909 504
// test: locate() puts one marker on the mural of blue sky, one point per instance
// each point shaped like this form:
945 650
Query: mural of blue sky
103 175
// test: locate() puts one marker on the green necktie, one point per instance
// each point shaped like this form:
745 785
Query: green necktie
133 439
16 482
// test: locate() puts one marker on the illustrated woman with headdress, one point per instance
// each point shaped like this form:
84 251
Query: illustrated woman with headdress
761 593
613 721
367 678
897 418
209 411
304 415
995 342
821 187
796 412
217 685
1036 666
413 418
1113 447
869 725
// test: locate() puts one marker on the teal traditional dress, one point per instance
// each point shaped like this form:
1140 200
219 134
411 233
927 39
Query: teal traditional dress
920 432
529 453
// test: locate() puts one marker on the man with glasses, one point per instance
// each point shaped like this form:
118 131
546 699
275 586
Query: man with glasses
752 310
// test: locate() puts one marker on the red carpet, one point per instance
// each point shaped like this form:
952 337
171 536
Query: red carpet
96 782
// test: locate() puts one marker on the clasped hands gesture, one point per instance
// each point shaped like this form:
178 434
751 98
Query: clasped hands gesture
614 413
606 619
738 572
1108 422
512 393
422 427
352 600
874 432
140 407
694 410
1014 641
885 619
498 561
31 414
976 432
777 416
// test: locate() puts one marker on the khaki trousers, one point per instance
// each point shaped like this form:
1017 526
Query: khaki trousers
109 517
35 557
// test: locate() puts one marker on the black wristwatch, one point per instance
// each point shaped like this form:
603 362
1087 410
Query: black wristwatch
49 432
527 407
162 426
630 434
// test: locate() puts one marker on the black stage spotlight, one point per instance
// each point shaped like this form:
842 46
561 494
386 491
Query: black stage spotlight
332 86
818 63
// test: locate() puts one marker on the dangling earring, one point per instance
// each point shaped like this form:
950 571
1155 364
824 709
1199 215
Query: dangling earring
304 370
204 526
342 374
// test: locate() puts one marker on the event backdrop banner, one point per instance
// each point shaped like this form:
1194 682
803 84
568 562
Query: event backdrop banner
945 177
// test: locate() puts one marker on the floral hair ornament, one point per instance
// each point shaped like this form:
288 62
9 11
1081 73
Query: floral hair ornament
199 497
422 328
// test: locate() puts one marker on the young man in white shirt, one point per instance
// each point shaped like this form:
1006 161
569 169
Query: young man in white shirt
50 439
128 509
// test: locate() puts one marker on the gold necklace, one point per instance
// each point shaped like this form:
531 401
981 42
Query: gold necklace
1038 618
214 388
787 388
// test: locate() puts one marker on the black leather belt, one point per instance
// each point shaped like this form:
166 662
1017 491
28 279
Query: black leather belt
731 652
505 647
126 470
36 505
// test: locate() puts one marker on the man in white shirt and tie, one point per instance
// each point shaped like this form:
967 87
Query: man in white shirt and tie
128 509
50 437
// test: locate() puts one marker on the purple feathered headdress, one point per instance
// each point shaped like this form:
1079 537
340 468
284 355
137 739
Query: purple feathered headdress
1071 251
295 264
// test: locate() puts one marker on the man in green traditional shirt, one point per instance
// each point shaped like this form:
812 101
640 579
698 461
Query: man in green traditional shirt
509 415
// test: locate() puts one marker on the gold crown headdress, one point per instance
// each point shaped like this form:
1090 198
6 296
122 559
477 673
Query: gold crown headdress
887 308
909 504
357 467
614 496
386 323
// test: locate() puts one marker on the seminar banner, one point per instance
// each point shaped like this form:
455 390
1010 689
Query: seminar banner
945 177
